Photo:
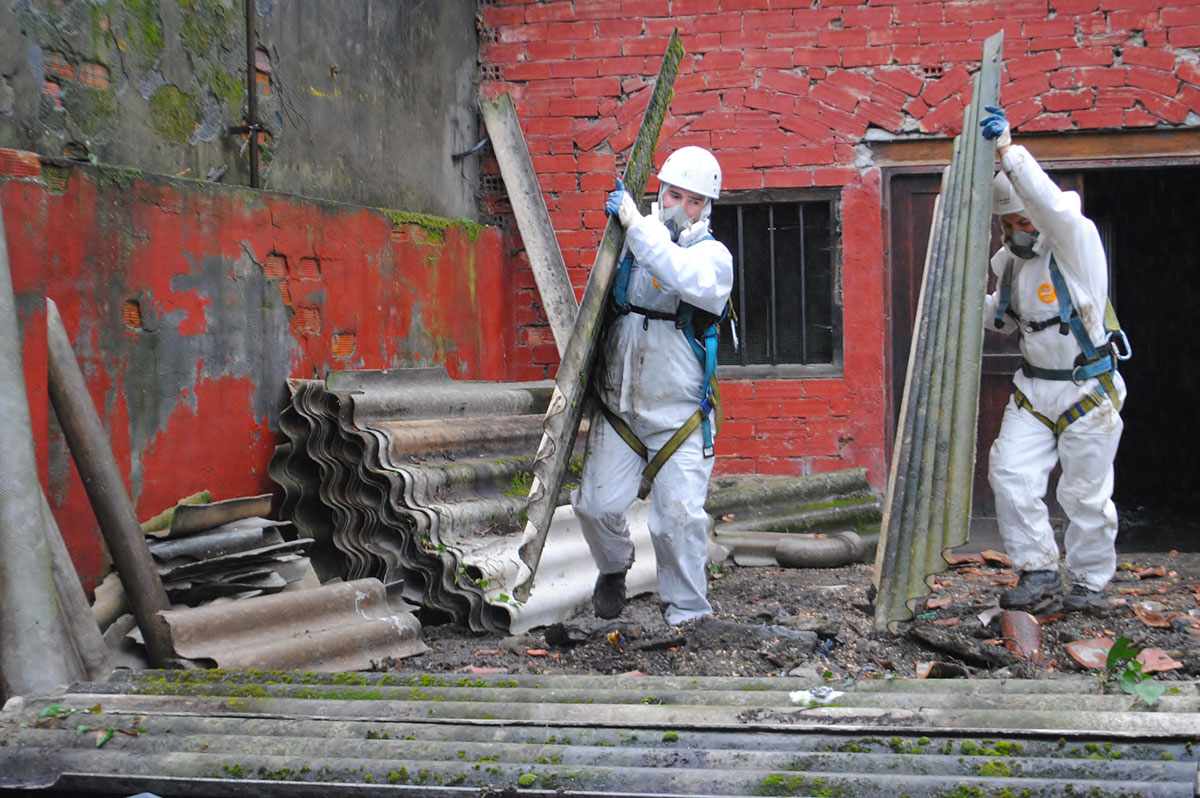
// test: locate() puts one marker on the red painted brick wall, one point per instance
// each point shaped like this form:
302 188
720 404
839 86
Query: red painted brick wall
783 91
189 305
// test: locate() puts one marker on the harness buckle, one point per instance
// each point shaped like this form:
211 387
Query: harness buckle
1074 372
1120 344
708 452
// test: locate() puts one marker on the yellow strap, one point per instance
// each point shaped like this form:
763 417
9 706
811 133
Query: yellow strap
673 443
1072 414
627 434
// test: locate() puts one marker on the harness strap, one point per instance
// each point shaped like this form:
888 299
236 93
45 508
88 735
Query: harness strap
1070 416
699 418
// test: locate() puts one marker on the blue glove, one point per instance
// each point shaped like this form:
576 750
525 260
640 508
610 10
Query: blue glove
995 126
616 198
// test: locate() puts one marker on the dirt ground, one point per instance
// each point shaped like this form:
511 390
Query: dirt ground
818 624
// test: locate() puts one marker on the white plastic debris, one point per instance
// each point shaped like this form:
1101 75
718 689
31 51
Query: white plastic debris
816 695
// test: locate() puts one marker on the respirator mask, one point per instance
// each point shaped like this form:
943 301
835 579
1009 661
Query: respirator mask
1020 243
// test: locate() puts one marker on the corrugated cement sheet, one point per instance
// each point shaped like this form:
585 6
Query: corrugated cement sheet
411 477
219 733
928 503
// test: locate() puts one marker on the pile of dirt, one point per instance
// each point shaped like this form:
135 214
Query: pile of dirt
818 623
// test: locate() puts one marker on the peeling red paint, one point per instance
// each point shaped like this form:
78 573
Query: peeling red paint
190 393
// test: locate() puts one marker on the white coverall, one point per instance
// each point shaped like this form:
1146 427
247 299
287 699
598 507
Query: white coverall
1025 451
650 378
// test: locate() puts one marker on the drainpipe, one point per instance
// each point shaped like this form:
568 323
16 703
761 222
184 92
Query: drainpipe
252 128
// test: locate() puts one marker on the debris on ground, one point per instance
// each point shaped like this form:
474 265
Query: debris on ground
957 633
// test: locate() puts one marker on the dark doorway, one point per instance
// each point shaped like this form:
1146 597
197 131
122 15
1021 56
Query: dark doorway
1149 220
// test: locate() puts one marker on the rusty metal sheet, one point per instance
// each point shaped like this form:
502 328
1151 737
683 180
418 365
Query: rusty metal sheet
340 626
190 518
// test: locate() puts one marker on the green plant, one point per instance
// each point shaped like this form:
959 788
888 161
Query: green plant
1123 669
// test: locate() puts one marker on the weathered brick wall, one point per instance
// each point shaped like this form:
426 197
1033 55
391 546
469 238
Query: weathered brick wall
785 92
190 305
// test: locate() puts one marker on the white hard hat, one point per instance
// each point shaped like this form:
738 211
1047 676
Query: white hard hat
1004 198
692 169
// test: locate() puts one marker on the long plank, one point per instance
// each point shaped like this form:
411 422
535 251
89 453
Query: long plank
566 404
533 220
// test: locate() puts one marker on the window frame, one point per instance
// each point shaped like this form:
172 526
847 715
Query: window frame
836 367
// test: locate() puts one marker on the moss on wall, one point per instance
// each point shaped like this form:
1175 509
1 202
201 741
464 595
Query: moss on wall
174 113
207 23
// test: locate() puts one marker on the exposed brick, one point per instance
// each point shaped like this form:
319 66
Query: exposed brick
867 17
717 61
621 29
1021 89
833 96
497 16
1059 26
1073 7
1068 100
768 101
540 12
1123 21
771 20
18 163
1136 117
1031 65
742 181
56 65
832 37
1101 76
1190 96
767 158
1092 120
945 119
1116 98
946 85
1063 79
53 90
834 176
767 59
1047 122
784 82
1184 37
916 108
886 118
1087 56
1166 85
1042 45
1149 58
1021 112
1165 108
526 71
813 57
969 12
744 40
901 79
963 52
958 32
892 35
1189 71
851 81
809 156
523 33
714 23
714 120
792 40
919 13
918 54
730 78
888 97
574 106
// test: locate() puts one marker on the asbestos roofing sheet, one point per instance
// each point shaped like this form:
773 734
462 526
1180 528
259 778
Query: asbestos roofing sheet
218 733
339 626
190 518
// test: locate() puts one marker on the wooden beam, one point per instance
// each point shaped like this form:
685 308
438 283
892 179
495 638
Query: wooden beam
1135 145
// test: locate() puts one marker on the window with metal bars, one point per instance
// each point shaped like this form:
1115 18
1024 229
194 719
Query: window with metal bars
785 293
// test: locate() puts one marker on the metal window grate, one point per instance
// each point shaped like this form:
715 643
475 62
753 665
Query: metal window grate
783 292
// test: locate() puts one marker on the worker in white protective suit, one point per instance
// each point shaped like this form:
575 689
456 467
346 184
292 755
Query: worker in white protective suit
651 383
1053 289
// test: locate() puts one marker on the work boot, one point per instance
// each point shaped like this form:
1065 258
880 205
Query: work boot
1031 588
1081 597
608 598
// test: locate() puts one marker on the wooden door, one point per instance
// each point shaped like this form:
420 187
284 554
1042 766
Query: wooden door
910 213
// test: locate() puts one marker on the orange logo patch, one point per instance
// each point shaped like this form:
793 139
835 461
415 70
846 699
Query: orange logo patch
1046 293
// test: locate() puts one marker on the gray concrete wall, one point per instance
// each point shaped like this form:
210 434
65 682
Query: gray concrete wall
362 101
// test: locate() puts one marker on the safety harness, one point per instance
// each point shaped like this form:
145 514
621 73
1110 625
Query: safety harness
1099 362
701 330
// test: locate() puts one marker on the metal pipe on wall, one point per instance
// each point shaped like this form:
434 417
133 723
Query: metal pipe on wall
105 487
